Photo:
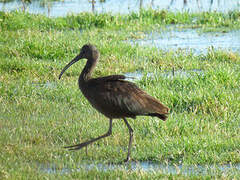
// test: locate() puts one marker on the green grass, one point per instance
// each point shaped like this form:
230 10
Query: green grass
146 19
40 114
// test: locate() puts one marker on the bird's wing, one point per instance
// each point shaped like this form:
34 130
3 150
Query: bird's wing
109 78
126 97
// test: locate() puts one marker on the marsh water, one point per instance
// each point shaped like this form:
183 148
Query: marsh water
180 73
191 40
146 166
57 8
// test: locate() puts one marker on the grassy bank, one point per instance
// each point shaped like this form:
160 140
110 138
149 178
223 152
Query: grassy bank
145 19
40 114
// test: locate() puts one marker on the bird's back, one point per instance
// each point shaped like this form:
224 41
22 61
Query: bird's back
117 98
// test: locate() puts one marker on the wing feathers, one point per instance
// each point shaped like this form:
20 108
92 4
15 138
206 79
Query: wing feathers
119 97
134 100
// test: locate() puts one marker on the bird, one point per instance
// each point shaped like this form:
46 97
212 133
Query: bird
113 96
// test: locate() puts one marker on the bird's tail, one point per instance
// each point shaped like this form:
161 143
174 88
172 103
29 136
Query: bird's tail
161 116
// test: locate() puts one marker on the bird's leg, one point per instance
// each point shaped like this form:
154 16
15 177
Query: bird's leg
130 139
86 151
81 145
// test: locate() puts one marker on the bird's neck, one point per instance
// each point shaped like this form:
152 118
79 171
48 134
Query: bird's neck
87 71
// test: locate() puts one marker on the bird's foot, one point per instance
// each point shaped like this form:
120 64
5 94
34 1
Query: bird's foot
76 146
127 160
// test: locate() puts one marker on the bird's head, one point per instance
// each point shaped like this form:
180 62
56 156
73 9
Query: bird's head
88 52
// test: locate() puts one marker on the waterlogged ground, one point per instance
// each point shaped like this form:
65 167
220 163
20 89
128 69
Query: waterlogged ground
40 114
149 167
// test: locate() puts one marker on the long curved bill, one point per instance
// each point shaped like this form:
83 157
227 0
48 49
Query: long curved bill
76 59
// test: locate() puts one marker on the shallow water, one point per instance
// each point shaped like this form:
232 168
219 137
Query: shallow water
135 76
64 7
181 73
48 85
147 166
192 41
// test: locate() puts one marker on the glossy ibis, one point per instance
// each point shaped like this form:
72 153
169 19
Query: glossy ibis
113 96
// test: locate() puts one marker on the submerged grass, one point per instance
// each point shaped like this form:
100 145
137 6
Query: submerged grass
40 114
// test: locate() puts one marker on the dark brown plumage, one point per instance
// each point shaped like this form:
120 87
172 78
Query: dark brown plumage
113 96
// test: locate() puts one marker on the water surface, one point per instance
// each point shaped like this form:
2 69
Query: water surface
180 73
148 166
64 7
191 40
47 85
